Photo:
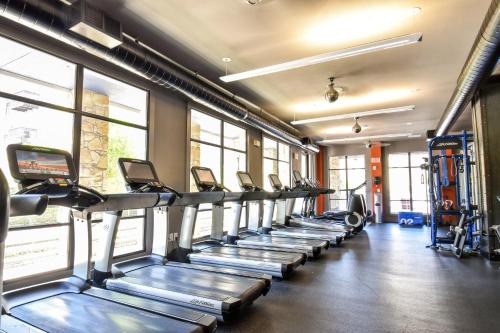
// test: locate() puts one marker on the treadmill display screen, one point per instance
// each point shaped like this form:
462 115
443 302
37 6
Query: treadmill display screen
297 177
39 163
245 179
136 170
275 180
205 176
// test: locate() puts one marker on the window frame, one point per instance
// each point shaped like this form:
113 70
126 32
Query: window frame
409 168
78 114
346 172
193 107
277 159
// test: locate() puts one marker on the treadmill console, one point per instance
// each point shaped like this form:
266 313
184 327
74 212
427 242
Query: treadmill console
246 182
205 179
35 168
140 176
297 177
275 182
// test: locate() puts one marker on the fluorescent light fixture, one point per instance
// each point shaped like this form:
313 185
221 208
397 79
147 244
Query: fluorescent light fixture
344 53
354 114
366 138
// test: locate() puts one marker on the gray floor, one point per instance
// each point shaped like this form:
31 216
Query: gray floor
383 280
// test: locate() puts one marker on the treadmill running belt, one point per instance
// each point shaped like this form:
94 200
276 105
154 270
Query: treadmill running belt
79 313
283 240
266 256
199 282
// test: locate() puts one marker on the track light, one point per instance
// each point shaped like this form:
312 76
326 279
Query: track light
331 95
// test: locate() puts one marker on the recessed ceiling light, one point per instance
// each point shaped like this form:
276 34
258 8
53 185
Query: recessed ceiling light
354 114
226 59
253 2
409 123
325 57
365 138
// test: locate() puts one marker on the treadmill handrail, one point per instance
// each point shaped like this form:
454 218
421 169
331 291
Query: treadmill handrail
28 204
195 198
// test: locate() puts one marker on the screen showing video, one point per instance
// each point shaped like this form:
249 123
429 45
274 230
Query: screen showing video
139 171
33 162
245 179
205 176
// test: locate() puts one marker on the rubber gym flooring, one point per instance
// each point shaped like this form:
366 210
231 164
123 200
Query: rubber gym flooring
383 280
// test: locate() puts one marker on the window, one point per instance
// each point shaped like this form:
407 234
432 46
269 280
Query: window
222 147
276 159
39 107
407 184
345 172
113 126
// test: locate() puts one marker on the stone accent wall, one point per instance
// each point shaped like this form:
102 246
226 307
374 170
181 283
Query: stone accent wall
94 141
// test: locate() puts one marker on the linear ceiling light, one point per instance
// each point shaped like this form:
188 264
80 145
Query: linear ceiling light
354 115
366 138
317 59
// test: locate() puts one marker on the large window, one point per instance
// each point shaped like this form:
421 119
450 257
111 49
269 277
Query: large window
38 107
407 184
113 126
222 147
345 173
276 160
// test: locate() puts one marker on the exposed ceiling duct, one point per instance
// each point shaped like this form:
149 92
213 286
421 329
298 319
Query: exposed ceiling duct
479 65
52 18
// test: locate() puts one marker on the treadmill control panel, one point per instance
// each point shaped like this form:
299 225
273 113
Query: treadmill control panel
205 179
246 182
275 182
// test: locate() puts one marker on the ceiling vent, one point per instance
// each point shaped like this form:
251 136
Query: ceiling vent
94 24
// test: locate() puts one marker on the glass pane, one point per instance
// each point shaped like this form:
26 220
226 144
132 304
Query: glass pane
203 225
399 184
30 252
399 206
337 162
205 128
355 161
102 143
235 137
111 98
284 173
37 75
130 236
417 158
303 165
270 148
398 160
284 152
35 126
233 162
270 166
418 184
338 182
356 177
206 156
420 206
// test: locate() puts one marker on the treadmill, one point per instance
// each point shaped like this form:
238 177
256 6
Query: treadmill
284 208
298 219
72 304
252 238
220 292
213 251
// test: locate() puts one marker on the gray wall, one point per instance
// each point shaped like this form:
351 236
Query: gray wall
395 147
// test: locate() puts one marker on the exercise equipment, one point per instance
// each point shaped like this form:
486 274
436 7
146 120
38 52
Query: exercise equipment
72 304
213 251
452 196
220 292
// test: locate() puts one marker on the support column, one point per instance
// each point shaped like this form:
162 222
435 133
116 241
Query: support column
377 191
485 118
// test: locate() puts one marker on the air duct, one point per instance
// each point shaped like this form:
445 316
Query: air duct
479 65
52 18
